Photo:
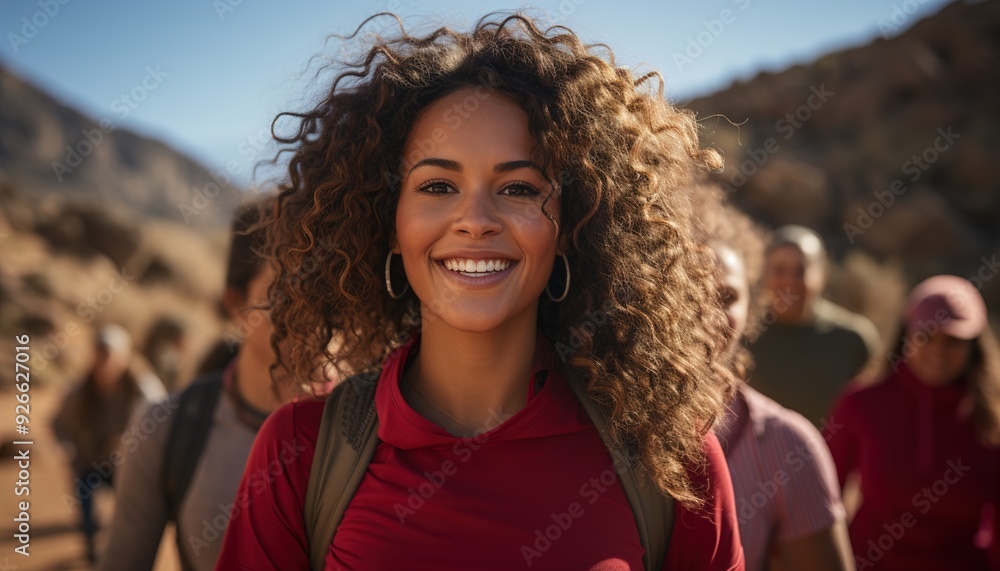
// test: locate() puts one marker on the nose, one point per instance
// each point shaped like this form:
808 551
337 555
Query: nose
476 215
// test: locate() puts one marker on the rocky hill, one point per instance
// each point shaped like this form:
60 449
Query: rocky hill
48 148
99 224
891 149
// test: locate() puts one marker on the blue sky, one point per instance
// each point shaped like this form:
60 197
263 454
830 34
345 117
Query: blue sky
213 73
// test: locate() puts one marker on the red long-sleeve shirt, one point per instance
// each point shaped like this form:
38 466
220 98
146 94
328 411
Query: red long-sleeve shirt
538 491
929 486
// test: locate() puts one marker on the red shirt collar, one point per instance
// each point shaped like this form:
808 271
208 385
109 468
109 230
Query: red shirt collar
402 427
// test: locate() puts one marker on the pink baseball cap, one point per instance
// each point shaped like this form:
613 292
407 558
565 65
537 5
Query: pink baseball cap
949 301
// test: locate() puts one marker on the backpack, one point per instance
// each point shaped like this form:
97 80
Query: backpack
188 434
348 436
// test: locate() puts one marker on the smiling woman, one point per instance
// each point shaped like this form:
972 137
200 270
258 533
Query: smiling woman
513 259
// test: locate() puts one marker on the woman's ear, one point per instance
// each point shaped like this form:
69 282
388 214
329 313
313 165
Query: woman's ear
394 246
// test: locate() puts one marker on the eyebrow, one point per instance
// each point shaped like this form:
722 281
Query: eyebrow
456 166
515 165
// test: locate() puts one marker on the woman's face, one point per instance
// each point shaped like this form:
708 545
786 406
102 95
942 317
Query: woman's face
940 359
735 293
476 247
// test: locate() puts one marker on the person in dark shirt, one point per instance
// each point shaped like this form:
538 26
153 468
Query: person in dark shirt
92 417
809 347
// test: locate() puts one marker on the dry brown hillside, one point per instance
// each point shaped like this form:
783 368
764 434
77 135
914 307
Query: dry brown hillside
890 150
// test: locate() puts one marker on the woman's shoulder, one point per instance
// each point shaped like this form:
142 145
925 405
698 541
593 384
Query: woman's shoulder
715 463
779 423
706 536
299 419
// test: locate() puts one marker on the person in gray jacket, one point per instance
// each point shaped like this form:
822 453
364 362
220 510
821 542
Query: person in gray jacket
153 487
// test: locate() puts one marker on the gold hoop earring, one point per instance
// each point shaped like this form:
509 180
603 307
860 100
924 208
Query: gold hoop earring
388 280
565 289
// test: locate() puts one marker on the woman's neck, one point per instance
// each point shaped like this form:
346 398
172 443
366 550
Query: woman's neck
471 382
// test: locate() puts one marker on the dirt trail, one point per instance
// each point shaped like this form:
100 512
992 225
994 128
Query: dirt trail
56 545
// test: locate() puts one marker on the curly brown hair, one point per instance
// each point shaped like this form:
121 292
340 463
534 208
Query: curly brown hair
723 224
641 325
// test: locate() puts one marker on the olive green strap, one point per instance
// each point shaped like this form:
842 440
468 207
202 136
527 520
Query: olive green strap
653 510
348 436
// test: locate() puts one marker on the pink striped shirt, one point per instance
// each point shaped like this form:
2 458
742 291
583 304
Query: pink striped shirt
784 478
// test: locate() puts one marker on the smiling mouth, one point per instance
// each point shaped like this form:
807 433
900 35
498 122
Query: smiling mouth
476 268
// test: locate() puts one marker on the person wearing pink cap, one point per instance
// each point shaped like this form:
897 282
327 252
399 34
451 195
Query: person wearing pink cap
924 440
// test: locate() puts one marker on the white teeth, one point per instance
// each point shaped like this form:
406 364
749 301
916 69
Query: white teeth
467 266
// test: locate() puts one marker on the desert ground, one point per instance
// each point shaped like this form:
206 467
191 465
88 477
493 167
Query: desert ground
56 544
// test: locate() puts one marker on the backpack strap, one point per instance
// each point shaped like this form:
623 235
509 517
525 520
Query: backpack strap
188 434
348 436
653 510
345 445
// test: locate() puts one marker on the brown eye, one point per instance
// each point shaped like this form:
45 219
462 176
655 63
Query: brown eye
435 187
520 189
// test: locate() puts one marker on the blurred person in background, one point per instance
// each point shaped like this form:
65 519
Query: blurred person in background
166 349
924 440
193 447
93 416
787 498
810 347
